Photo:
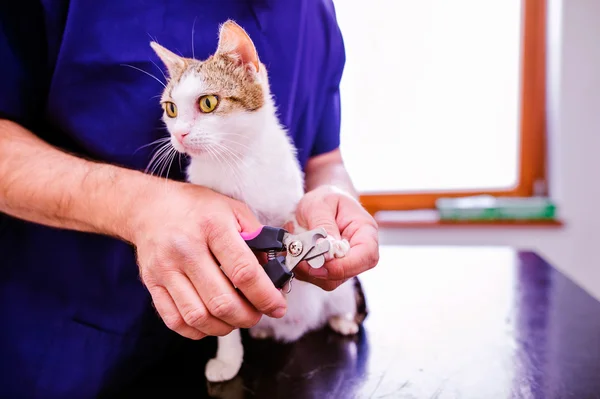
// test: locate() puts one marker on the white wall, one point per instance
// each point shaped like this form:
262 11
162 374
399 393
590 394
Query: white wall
574 155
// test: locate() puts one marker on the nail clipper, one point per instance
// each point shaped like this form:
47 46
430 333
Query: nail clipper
299 247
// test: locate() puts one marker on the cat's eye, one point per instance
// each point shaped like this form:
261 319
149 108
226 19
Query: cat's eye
208 103
170 109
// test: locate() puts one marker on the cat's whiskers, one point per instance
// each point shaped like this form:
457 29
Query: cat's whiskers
211 153
193 25
166 163
235 167
232 135
236 143
236 134
159 141
150 168
147 73
217 148
157 157
220 143
241 162
163 147
170 162
160 70
159 162
218 157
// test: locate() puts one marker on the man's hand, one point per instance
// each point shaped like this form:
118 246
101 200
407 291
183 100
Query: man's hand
175 227
342 216
176 236
331 202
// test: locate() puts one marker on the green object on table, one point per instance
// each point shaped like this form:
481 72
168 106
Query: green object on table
487 207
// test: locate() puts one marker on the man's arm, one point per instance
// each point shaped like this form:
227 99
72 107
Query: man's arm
328 169
42 184
332 202
175 232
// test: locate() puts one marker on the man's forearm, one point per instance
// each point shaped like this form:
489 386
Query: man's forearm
42 184
329 169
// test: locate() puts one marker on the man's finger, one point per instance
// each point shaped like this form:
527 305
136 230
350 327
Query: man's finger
218 294
241 266
327 285
170 315
362 256
319 216
190 307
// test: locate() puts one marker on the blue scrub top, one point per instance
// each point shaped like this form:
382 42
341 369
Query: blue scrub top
72 308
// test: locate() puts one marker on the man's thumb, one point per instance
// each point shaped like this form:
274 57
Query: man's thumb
319 215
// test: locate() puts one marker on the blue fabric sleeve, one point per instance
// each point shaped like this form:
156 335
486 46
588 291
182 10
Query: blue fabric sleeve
327 137
23 58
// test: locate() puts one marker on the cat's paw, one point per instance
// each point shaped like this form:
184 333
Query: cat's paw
260 332
218 370
338 248
343 325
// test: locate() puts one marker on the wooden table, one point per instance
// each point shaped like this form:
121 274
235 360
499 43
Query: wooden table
481 323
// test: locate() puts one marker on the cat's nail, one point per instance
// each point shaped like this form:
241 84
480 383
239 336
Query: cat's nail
320 272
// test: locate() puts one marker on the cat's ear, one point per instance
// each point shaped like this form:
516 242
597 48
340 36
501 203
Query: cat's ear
174 63
235 42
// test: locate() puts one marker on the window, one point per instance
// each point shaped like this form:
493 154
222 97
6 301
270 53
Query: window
442 98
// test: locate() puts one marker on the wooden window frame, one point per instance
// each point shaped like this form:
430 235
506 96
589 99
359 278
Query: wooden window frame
532 157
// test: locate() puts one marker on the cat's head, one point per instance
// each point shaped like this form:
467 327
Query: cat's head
217 103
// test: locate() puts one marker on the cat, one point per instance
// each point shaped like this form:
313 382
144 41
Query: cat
221 114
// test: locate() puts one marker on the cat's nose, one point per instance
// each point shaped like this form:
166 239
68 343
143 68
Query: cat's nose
180 136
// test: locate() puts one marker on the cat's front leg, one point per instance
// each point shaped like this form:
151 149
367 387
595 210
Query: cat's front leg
338 248
228 360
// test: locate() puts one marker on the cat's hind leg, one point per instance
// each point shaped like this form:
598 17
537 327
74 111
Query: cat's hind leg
343 324
228 360
262 329
342 308
342 319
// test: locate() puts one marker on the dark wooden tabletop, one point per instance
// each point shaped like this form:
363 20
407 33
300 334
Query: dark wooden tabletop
479 323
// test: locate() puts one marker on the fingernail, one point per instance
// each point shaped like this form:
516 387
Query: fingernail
321 272
278 313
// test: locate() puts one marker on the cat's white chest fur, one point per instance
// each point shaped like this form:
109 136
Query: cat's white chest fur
269 180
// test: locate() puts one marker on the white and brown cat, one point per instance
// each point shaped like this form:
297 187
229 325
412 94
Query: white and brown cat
220 112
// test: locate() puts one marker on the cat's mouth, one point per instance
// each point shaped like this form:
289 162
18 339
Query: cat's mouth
199 150
194 149
195 152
